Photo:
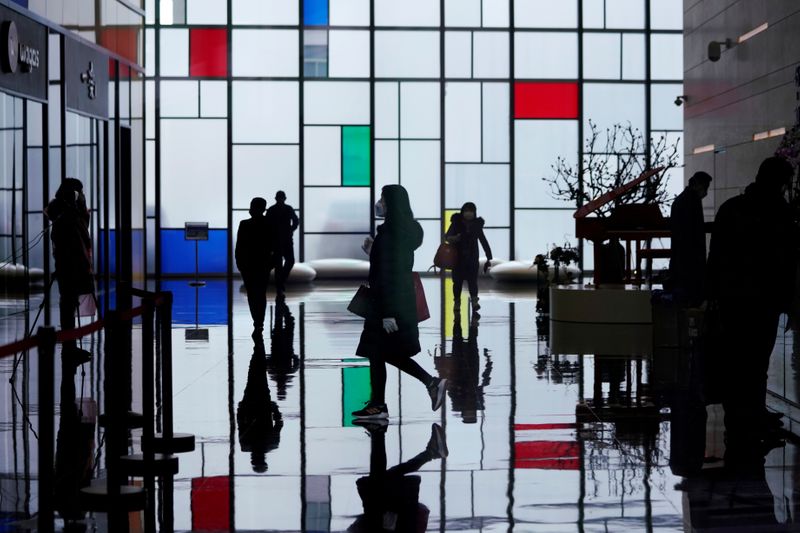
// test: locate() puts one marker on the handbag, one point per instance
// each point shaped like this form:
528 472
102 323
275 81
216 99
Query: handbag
446 256
423 313
363 302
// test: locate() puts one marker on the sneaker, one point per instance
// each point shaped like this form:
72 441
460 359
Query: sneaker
437 445
374 426
437 390
372 411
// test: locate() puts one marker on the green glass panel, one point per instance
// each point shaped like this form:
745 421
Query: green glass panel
355 156
356 391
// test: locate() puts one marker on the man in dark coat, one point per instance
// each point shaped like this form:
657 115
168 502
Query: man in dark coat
465 231
284 221
72 251
751 263
254 260
687 267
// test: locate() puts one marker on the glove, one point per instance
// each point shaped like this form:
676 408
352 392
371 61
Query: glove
390 325
486 266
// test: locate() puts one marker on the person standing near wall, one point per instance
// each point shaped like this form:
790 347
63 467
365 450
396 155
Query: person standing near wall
687 266
285 222
254 260
465 231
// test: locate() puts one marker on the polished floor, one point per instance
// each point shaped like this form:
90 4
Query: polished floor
537 441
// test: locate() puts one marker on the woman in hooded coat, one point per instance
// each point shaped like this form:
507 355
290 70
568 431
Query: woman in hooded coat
392 336
466 229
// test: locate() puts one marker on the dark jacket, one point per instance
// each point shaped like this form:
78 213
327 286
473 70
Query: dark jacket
470 232
391 262
284 222
72 247
751 258
687 267
253 246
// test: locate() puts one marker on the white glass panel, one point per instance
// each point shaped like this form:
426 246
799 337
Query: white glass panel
406 13
462 122
406 54
607 104
335 246
633 56
487 186
266 12
265 53
499 241
666 14
496 116
349 12
263 170
150 51
150 108
387 163
337 209
213 99
666 53
35 124
387 110
462 13
544 229
419 110
546 55
625 14
545 13
458 54
496 13
174 52
179 99
420 175
665 115
336 102
594 15
206 12
348 54
538 144
323 155
601 56
491 54
197 155
265 111
423 256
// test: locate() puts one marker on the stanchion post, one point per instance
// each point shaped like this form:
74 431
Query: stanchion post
165 334
148 411
116 416
47 349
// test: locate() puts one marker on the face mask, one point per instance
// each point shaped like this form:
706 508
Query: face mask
380 212
469 215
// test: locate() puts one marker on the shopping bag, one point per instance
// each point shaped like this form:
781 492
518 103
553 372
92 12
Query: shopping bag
446 256
423 313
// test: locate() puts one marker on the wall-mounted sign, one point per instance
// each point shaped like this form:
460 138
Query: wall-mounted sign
23 55
86 75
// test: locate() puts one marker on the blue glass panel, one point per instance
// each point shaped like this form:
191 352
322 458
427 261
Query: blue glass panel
112 255
207 305
315 12
23 3
177 254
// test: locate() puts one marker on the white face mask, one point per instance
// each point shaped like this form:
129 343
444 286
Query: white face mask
380 212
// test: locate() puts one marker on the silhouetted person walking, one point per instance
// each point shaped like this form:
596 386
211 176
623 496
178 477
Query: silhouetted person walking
751 271
72 251
260 422
284 221
254 260
283 363
392 335
391 497
465 231
687 267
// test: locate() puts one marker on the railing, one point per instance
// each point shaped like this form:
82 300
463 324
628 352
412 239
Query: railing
118 498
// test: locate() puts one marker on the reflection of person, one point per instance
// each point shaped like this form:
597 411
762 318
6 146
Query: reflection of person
393 335
285 221
282 362
462 368
390 497
465 231
72 251
751 262
253 259
257 416
687 266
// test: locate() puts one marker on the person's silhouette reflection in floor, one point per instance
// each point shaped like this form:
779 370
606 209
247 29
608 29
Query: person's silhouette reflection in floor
282 362
74 452
391 497
463 370
257 416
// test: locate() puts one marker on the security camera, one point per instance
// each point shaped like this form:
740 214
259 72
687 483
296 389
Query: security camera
679 100
715 49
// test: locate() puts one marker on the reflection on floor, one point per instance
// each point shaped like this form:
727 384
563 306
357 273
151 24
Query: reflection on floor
537 441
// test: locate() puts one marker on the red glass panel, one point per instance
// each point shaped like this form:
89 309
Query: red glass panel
533 427
547 455
545 100
208 52
211 503
124 40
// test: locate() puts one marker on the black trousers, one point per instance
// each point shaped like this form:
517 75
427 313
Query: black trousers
284 261
67 308
470 276
256 286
